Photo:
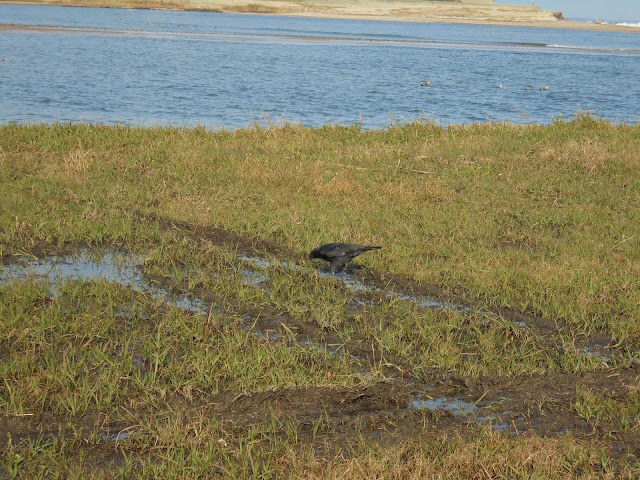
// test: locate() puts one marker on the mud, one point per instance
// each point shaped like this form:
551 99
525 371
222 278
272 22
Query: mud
386 412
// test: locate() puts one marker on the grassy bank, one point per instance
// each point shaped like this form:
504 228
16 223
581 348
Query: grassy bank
533 224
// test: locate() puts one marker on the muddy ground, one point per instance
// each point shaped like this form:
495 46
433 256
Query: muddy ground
386 412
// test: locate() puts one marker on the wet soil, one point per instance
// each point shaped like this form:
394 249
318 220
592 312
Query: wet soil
389 411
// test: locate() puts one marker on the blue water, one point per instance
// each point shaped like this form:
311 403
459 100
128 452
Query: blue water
145 67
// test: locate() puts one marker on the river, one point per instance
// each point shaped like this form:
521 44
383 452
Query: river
146 67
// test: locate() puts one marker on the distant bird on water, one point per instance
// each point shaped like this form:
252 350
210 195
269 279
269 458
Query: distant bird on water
338 254
499 86
425 84
528 87
545 87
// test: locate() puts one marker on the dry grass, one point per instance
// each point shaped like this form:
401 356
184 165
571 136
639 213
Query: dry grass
488 456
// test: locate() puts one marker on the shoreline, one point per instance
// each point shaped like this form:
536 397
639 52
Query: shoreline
376 10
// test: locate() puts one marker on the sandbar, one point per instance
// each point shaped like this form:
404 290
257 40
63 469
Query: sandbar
477 12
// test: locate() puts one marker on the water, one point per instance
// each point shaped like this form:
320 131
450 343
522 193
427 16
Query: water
108 264
115 437
454 405
145 67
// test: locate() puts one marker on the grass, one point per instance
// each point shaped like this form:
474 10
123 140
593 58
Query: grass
533 219
77 351
194 454
540 218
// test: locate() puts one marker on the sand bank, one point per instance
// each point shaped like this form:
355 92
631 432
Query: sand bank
479 12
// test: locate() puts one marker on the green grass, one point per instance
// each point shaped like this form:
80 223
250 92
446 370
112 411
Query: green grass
540 218
537 219
77 351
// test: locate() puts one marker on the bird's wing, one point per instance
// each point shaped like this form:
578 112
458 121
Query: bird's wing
334 249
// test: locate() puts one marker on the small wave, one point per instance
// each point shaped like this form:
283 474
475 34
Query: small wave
597 50
625 24
553 45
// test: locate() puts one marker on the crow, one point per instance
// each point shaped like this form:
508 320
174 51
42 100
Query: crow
338 254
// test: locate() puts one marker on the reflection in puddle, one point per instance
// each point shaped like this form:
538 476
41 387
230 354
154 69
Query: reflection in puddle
429 302
453 405
261 262
350 281
591 352
115 437
461 408
268 335
109 264
338 349
253 278
500 427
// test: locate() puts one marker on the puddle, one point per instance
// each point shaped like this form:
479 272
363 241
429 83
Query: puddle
337 349
253 278
588 351
123 267
500 427
450 404
108 264
429 302
462 408
115 437
268 335
263 262
595 345
349 280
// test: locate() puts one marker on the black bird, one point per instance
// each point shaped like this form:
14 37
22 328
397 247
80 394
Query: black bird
338 254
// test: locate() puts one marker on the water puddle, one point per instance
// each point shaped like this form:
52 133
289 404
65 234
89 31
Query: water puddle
349 280
337 349
85 264
124 267
595 345
115 437
461 408
253 278
450 404
592 352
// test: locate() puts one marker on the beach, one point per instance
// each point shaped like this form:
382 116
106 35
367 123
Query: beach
479 12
